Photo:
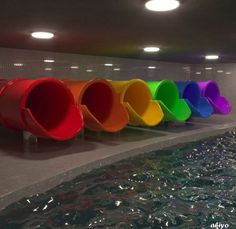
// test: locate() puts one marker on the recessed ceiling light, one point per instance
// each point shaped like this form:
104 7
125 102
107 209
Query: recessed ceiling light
89 70
152 67
211 57
151 49
48 69
108 65
186 68
162 5
228 73
42 35
198 73
49 61
116 69
18 64
208 68
74 67
220 71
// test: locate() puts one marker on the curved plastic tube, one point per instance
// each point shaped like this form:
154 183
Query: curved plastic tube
137 99
45 107
166 93
100 105
191 92
3 82
211 91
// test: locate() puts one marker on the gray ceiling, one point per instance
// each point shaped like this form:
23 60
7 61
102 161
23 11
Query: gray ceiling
121 28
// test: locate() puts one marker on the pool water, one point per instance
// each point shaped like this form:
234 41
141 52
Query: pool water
190 186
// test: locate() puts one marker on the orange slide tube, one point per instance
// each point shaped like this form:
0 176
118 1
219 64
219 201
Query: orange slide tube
100 105
137 98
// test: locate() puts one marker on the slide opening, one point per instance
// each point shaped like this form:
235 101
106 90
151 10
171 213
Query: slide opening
2 84
138 96
98 98
212 91
192 93
167 92
49 103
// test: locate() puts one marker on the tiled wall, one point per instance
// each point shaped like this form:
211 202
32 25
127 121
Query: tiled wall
33 66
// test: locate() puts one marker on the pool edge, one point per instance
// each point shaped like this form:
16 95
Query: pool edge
119 153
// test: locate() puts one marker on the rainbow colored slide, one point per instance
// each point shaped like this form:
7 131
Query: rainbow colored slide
166 93
100 105
136 97
191 92
45 107
54 109
211 91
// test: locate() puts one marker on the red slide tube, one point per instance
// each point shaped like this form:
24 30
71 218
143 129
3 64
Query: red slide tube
45 107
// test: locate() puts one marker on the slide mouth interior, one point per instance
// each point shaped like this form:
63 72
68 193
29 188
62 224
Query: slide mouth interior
98 97
192 93
212 91
49 103
167 92
138 96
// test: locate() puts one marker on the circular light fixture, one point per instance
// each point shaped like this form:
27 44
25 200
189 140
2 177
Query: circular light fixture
228 73
211 57
74 67
151 49
186 68
152 67
42 35
89 70
48 61
208 68
162 5
116 69
220 71
18 64
198 73
48 69
108 65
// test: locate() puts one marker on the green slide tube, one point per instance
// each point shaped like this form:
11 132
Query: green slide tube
166 93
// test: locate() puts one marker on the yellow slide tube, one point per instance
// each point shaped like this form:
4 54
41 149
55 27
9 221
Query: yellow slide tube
137 99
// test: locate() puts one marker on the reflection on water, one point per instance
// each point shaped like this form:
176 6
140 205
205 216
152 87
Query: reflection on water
188 187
